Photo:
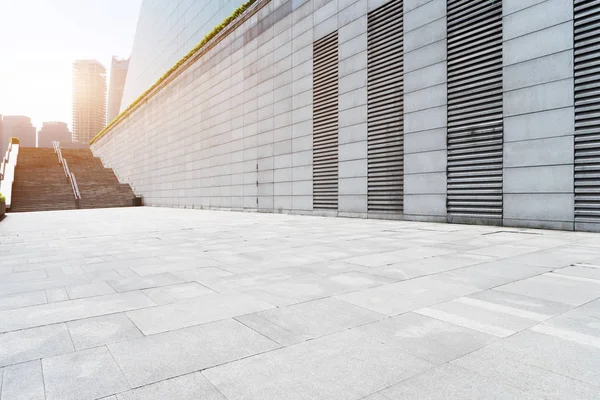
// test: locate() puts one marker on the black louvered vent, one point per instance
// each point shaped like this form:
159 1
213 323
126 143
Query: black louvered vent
386 109
587 111
475 127
325 122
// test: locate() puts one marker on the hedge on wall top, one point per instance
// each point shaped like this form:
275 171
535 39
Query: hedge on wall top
197 48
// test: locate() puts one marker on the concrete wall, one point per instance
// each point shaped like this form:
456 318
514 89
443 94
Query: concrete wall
539 115
234 130
166 31
425 110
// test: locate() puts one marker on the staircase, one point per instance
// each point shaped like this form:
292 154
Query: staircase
40 183
99 187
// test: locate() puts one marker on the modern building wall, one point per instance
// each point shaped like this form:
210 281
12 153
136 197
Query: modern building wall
20 127
54 131
166 31
248 125
118 74
89 99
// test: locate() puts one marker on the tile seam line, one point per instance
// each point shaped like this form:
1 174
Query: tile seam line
267 320
507 66
118 365
554 25
570 78
405 53
431 21
423 5
537 111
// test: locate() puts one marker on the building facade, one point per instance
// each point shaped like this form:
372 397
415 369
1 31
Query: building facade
54 131
118 74
17 126
479 111
89 99
166 31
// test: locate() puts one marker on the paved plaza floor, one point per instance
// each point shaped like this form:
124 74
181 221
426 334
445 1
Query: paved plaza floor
171 304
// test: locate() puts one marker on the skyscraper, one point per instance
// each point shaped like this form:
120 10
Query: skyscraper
118 73
89 99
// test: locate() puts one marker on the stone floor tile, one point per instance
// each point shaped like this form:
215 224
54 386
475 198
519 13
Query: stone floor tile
493 363
186 290
96 331
449 382
23 382
578 326
89 290
24 276
296 323
582 270
208 308
187 387
331 268
490 274
31 344
154 358
144 282
564 357
558 257
433 340
505 250
39 284
496 313
158 296
398 298
45 314
83 375
340 366
202 274
556 287
22 300
428 266
272 299
56 294
316 287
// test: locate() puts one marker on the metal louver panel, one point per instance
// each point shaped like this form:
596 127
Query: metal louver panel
385 120
587 110
325 122
475 126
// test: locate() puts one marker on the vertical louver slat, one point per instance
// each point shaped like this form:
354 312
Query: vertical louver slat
587 110
385 122
325 123
475 125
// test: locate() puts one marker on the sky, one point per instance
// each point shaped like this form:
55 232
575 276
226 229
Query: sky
40 39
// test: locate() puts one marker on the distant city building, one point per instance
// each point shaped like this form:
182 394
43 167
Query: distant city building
52 131
89 99
17 126
118 73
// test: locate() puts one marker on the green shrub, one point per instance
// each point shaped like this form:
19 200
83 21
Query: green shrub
2 198
197 48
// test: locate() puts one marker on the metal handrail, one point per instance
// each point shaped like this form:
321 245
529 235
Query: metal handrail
70 175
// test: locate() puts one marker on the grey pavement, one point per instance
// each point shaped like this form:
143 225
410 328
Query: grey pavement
158 303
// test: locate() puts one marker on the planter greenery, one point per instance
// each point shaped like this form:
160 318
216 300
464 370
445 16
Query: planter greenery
174 68
2 206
